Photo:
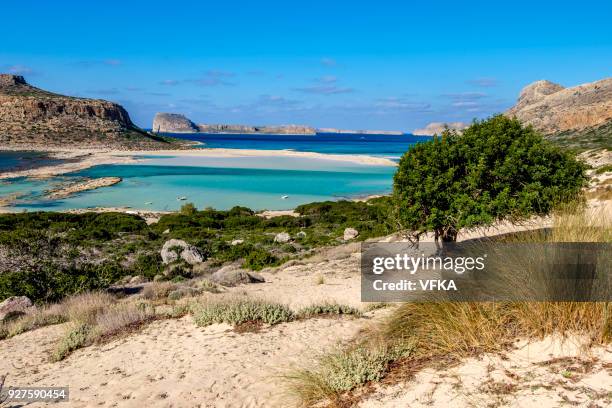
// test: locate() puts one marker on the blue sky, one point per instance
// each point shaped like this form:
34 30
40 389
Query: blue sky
393 65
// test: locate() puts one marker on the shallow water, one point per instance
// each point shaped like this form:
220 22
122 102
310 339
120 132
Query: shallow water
154 186
267 182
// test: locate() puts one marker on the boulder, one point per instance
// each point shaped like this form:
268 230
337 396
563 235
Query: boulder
229 276
237 242
14 305
282 237
301 234
350 233
175 248
137 280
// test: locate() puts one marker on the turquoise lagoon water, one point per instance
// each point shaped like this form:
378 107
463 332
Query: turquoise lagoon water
153 186
255 182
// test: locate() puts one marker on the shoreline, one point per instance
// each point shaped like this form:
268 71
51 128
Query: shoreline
81 159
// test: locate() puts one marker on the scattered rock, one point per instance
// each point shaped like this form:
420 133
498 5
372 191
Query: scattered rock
301 234
175 248
137 280
229 276
350 233
282 237
237 242
14 305
166 231
183 291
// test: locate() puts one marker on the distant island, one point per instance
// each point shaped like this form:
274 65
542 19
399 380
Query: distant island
178 123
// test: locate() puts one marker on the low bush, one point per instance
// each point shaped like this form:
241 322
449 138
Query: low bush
238 311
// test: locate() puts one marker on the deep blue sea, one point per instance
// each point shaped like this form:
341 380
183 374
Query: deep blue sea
391 146
267 182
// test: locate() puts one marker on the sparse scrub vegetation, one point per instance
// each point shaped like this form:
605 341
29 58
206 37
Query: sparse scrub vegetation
238 311
328 309
57 254
447 331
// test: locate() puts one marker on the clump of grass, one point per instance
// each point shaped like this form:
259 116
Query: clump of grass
83 307
117 319
603 169
209 286
86 306
320 279
343 370
42 316
238 311
328 309
121 318
75 337
158 290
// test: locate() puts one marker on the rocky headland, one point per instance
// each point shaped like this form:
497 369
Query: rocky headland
578 117
32 118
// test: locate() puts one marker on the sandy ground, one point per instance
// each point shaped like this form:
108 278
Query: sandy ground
173 363
83 159
540 374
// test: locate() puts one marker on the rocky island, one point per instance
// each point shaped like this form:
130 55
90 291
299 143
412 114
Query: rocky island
35 119
177 123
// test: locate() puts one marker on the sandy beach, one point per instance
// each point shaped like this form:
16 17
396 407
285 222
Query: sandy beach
86 158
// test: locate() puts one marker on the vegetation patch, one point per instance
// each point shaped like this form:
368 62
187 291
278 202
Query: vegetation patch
447 331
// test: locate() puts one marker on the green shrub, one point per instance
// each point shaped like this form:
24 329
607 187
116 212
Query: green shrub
75 337
496 169
328 309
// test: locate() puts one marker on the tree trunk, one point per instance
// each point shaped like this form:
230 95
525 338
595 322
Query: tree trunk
449 235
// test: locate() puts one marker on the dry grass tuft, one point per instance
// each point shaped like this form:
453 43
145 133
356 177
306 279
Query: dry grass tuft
122 318
86 306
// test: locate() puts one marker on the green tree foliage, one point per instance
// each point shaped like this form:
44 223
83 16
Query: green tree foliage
497 169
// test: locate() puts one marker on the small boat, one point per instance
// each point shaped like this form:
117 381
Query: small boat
148 202
181 198
284 197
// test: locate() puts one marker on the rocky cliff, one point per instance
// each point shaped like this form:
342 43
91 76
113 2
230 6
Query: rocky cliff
36 119
580 116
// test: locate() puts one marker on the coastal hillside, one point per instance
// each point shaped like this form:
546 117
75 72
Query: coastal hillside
177 123
33 118
578 117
